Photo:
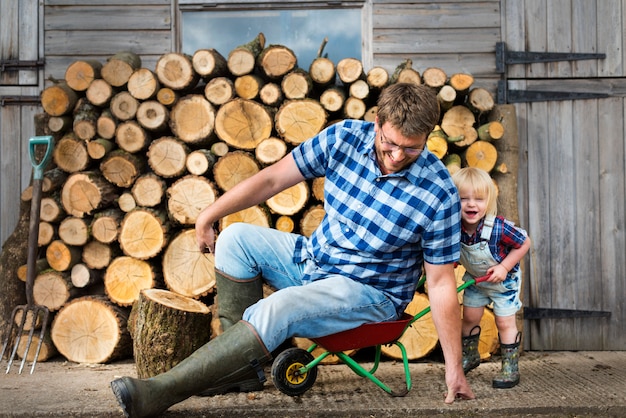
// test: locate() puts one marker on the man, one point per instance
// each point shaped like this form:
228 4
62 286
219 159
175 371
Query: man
391 207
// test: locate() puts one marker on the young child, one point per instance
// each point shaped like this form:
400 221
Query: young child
494 246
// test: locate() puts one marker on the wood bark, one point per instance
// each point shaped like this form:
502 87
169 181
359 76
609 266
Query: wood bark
166 328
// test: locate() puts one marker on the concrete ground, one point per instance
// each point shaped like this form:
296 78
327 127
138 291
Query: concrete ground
554 384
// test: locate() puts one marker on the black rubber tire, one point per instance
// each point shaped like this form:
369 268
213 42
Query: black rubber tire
283 371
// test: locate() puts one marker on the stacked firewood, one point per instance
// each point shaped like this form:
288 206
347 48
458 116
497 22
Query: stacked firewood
140 152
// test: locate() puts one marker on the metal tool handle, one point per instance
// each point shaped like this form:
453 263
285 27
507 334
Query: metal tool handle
38 167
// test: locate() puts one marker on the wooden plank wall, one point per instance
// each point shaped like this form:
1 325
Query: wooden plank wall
572 175
18 41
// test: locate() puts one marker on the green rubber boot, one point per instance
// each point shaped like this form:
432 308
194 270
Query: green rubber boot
471 356
237 353
234 296
509 375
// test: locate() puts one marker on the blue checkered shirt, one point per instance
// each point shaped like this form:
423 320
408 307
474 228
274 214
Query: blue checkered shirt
378 229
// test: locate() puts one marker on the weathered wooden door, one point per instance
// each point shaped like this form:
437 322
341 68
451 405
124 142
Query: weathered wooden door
19 91
572 174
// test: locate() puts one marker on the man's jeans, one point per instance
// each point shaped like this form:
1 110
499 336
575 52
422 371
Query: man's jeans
297 308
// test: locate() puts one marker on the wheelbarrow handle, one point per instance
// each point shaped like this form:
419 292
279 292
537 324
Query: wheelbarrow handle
38 167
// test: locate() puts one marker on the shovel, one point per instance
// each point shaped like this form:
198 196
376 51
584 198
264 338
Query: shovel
31 310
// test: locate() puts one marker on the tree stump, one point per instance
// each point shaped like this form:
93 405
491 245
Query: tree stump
166 328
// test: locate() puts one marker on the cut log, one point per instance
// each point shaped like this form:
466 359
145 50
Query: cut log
322 71
126 202
461 83
187 197
359 89
243 123
434 77
186 270
290 201
332 99
200 161
53 289
354 108
452 162
255 215
47 233
82 276
98 255
166 96
166 328
124 106
248 86
86 192
74 231
480 101
80 74
242 59
458 124
220 148
275 61
122 168
270 150
148 190
209 64
58 99
153 115
219 91
285 223
167 156
51 210
91 330
349 70
421 338
271 95
233 168
118 68
143 84
377 78
131 137
46 352
98 148
370 114
446 97
40 265
125 277
100 93
491 131
70 154
105 225
438 145
192 119
311 219
298 120
85 120
297 84
481 154
106 124
62 256
143 233
404 73
317 188
175 70
59 124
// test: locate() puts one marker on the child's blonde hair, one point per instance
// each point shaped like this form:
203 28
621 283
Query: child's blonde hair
481 183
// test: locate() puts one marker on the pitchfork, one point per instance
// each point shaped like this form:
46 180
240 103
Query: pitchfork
31 309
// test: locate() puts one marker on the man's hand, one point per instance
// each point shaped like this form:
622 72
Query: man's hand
458 388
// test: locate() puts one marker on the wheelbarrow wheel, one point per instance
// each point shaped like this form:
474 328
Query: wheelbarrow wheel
286 373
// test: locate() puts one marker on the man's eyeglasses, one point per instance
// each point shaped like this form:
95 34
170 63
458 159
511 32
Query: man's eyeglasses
390 146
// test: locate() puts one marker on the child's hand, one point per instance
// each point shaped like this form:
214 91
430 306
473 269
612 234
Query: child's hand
497 273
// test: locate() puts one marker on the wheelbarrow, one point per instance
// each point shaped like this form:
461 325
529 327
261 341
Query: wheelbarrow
294 370
36 314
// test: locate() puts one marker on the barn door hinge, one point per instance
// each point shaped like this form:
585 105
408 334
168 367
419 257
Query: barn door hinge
17 65
505 57
19 100
551 313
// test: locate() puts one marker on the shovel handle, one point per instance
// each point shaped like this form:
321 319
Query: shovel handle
38 167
